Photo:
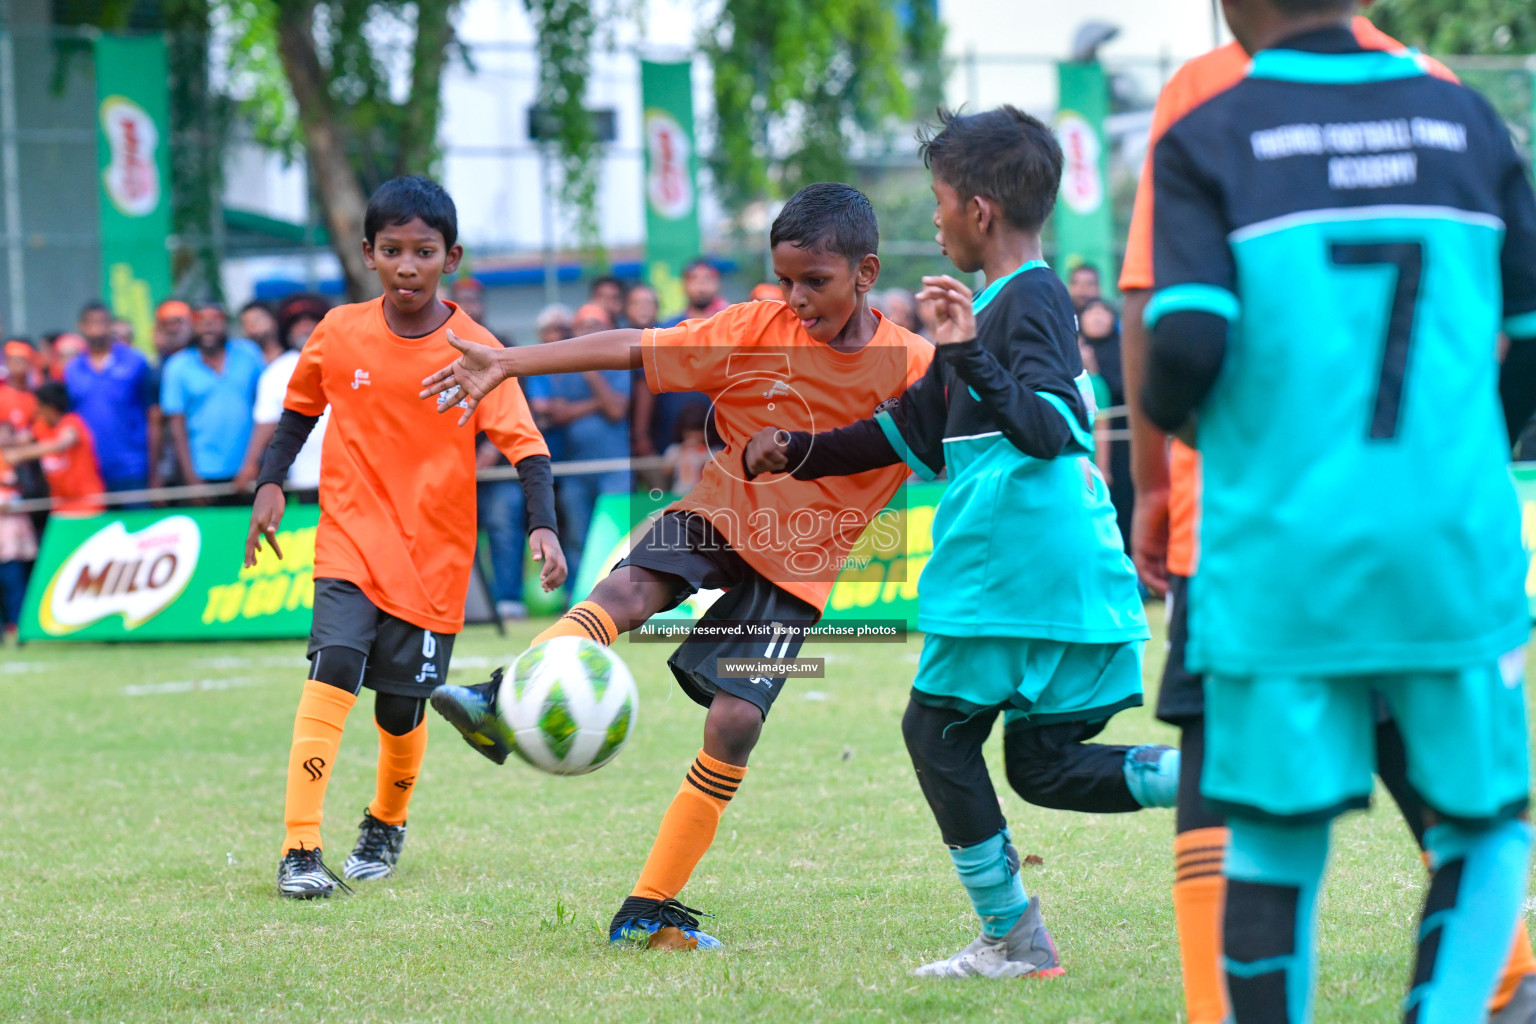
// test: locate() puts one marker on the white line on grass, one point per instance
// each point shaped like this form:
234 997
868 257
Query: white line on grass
187 686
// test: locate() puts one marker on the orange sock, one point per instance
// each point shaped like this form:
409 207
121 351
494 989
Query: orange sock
1520 965
585 619
1199 895
688 827
316 738
399 763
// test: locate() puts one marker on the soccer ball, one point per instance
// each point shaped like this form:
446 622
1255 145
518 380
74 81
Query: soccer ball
570 705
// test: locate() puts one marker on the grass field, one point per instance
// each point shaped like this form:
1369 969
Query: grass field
143 805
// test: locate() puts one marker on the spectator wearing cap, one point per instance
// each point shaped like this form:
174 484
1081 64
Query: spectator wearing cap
111 387
259 324
297 318
17 406
593 410
63 350
208 393
172 333
65 449
469 296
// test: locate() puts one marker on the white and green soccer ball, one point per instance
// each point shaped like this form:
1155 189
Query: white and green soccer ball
570 705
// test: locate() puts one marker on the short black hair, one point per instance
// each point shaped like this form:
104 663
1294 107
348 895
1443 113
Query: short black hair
700 263
258 304
603 279
94 306
54 395
213 304
1003 155
413 197
1085 265
830 217
296 308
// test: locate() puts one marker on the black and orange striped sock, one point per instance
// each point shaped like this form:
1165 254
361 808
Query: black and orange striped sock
1199 893
688 828
587 619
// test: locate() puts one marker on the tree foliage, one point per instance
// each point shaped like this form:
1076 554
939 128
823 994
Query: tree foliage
797 80
567 31
357 84
1459 27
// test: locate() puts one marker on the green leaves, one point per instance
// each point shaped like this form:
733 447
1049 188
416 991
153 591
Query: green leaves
795 80
566 30
1459 27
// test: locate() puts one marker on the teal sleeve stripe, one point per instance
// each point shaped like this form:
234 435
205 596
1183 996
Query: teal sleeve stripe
1083 437
1204 298
893 435
1521 325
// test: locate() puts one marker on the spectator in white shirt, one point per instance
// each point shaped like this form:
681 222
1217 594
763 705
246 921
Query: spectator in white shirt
297 318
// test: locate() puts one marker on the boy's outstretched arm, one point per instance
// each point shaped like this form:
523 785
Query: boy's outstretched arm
481 368
1031 423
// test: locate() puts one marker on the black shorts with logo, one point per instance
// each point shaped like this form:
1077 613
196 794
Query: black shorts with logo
685 545
402 659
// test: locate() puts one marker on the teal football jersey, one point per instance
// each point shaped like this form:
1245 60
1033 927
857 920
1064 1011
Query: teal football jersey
1367 230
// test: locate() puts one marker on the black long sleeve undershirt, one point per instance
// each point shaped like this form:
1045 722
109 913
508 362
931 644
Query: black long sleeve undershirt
1517 385
1182 365
538 480
534 472
856 448
1033 425
293 429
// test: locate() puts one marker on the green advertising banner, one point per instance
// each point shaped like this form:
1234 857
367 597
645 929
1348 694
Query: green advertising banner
133 154
170 575
876 583
671 178
1085 220
1525 486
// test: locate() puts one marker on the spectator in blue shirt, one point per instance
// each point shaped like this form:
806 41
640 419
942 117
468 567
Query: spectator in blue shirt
112 388
208 392
593 410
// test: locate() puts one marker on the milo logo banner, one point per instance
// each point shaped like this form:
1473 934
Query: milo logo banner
133 156
170 575
878 580
671 178
1085 219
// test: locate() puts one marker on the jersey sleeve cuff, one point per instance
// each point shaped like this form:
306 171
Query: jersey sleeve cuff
899 444
1520 325
1199 298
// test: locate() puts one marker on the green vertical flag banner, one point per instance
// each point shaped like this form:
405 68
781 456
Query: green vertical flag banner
1085 221
671 178
133 154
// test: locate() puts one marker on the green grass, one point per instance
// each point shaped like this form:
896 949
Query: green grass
142 814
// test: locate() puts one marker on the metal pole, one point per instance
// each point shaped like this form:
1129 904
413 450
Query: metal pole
551 271
10 173
1215 24
972 80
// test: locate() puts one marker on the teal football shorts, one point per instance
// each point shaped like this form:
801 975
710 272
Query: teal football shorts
1303 747
1035 680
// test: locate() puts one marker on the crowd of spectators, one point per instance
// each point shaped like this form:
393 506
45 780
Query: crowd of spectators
89 413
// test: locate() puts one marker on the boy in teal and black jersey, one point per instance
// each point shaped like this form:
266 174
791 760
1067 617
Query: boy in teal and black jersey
1340 238
1029 602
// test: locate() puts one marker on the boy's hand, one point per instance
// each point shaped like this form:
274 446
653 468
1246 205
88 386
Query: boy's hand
767 452
545 547
266 517
468 378
955 321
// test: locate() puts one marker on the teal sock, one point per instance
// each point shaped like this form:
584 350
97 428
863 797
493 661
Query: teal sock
1273 876
990 873
1152 775
1474 898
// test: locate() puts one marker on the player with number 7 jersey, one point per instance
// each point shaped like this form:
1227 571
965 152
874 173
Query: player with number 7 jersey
1339 239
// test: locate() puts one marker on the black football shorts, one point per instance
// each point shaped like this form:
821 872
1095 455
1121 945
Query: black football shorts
403 659
685 546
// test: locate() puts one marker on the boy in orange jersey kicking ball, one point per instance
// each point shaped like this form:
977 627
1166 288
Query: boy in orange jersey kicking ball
819 358
397 522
